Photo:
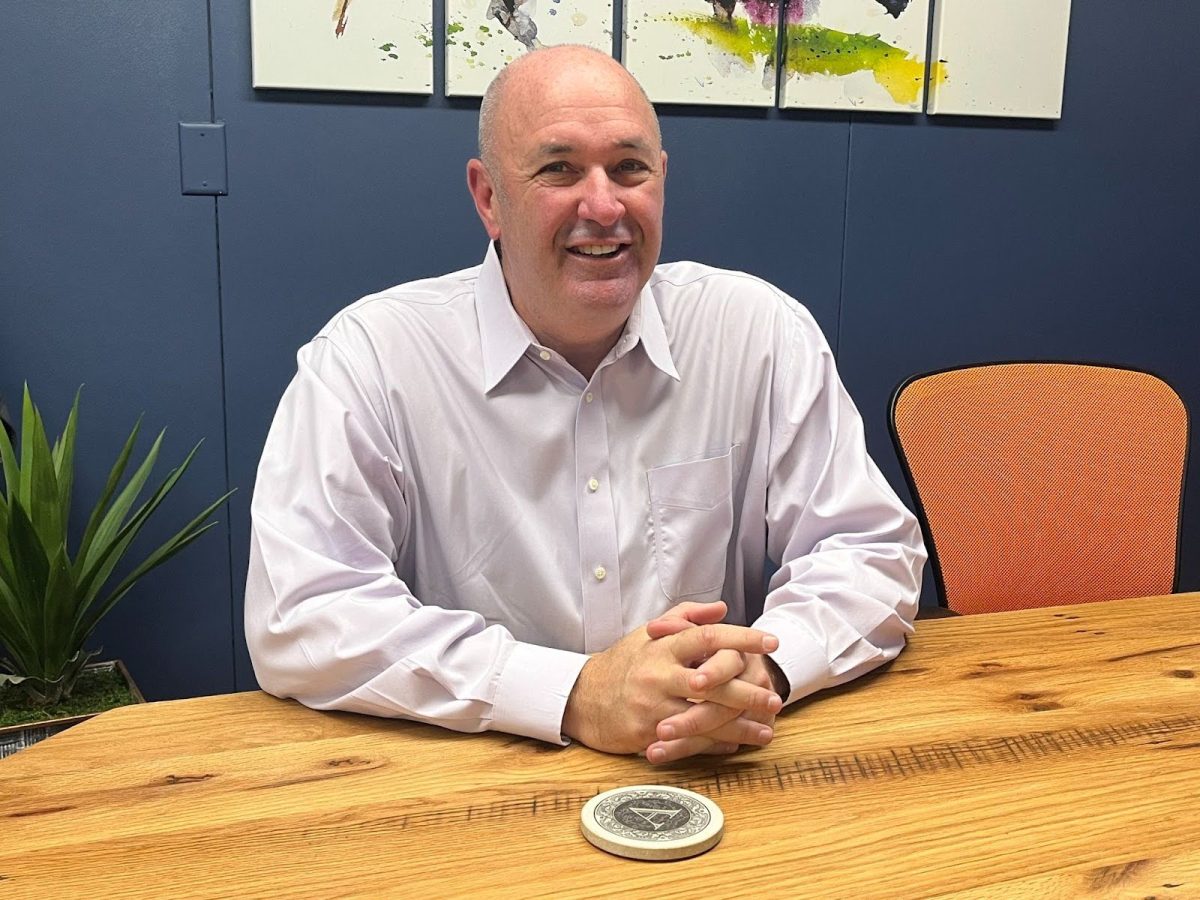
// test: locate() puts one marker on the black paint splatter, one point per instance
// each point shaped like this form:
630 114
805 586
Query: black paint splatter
894 7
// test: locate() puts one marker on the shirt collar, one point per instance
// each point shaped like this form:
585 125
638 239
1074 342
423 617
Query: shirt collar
504 336
645 323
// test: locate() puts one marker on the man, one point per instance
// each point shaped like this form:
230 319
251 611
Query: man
526 496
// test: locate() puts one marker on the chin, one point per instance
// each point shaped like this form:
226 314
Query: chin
611 295
609 302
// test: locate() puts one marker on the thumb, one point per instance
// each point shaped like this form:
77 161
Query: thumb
685 615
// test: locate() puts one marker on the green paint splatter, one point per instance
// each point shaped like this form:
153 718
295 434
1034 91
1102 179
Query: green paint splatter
392 49
813 50
742 38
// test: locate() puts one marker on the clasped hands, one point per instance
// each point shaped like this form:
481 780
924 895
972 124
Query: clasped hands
684 684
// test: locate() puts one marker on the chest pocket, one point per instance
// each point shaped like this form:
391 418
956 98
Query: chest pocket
692 516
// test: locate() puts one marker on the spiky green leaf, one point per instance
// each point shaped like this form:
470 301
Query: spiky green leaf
39 483
12 472
48 604
28 426
6 565
160 555
110 488
89 622
110 526
64 462
93 579
31 571
59 616
15 631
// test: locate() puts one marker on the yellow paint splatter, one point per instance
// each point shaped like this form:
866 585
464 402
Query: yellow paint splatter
814 50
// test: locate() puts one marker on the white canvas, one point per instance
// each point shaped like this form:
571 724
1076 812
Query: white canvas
1001 59
692 51
343 45
855 54
483 36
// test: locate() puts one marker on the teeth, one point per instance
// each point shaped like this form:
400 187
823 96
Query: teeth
597 249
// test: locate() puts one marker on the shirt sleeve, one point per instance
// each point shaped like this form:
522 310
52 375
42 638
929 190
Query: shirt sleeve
328 620
851 555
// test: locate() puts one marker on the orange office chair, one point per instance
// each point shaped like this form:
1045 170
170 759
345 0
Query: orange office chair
1044 483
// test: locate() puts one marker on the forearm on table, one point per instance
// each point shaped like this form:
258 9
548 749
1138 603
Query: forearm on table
365 644
840 613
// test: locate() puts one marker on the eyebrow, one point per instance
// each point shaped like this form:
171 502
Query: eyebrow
560 149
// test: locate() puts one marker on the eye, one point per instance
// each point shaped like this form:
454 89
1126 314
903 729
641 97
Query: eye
554 168
633 165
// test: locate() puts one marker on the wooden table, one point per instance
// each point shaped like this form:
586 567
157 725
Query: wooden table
1046 753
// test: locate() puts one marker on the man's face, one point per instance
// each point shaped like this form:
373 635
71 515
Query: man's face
577 202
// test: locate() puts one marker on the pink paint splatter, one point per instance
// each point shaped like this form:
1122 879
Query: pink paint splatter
762 12
765 12
799 10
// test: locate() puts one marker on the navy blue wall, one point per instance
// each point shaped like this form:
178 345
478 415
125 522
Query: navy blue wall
108 278
917 242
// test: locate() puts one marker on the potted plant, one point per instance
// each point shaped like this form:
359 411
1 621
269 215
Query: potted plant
51 599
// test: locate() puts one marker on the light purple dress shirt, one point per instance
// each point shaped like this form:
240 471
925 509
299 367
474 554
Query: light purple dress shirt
448 517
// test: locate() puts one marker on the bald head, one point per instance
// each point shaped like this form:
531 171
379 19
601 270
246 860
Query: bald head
545 65
570 187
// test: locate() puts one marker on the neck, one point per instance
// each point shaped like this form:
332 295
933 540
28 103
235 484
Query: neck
583 340
583 344
584 353
585 360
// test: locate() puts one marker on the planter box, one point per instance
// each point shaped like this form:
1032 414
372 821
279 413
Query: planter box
18 737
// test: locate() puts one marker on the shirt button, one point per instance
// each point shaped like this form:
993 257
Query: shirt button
593 485
588 396
600 572
545 354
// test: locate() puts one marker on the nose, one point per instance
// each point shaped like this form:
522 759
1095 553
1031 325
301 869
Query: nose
600 203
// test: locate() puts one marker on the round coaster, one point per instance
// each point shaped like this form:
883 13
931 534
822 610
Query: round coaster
649 821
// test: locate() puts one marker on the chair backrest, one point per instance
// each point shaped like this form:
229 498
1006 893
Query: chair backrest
1044 483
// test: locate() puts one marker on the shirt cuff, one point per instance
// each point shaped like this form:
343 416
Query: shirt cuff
803 660
533 690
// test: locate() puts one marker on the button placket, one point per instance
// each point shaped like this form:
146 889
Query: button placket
597 526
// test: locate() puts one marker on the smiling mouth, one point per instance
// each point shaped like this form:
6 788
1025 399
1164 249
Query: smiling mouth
597 251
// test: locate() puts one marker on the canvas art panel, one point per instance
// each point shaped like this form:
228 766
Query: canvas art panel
343 45
483 36
866 55
1001 59
702 51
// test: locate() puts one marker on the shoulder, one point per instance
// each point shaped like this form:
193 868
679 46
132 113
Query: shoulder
377 337
691 292
396 322
408 304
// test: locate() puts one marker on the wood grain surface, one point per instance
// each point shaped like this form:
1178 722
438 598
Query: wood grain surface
1044 753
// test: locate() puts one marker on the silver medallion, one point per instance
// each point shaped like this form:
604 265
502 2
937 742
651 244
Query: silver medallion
650 814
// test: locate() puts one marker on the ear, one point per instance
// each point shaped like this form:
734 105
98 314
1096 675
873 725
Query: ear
664 163
483 192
